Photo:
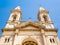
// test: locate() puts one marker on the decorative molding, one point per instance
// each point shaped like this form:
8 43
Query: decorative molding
48 30
8 29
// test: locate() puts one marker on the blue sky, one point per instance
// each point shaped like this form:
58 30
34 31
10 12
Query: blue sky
30 9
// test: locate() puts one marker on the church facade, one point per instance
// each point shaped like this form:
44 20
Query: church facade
17 32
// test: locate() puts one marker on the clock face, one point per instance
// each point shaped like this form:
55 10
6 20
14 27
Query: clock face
29 43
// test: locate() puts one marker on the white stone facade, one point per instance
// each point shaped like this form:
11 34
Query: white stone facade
17 32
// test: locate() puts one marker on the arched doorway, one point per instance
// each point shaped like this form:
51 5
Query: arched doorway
29 43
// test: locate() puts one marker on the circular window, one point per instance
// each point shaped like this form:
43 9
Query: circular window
29 43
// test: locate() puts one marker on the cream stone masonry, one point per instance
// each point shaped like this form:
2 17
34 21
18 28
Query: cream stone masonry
17 32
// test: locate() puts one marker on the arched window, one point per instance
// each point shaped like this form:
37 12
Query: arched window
52 40
14 17
45 18
7 40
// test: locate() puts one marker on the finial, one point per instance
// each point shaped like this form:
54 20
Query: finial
41 8
18 7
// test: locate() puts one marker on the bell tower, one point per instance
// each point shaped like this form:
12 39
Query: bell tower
43 17
15 18
17 32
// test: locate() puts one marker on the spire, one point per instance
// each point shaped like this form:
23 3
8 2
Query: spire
41 8
17 8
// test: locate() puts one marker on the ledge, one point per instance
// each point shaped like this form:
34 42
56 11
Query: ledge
55 29
8 29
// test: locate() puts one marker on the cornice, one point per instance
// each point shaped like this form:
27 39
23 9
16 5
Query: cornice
49 30
29 30
8 29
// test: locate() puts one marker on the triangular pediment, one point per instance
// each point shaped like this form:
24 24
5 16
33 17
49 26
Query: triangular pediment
30 25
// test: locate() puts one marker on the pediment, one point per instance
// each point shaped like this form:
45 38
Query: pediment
30 25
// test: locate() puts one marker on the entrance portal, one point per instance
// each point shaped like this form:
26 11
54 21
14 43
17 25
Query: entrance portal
29 43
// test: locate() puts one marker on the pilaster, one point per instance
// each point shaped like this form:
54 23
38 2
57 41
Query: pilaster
44 38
